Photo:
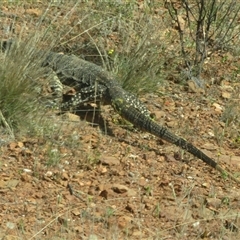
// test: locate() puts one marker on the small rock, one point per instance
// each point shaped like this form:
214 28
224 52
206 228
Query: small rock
118 188
194 86
108 160
10 225
171 124
71 117
231 160
226 95
26 177
130 208
206 185
210 146
213 203
48 173
104 194
124 222
93 237
65 176
12 183
159 114
76 212
218 107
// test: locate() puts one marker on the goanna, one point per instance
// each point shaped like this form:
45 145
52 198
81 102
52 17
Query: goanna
92 82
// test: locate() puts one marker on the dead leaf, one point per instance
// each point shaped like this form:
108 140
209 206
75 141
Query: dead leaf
35 12
181 22
226 95
218 107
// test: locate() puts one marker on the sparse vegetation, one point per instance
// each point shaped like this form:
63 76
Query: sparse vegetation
19 88
204 27
113 175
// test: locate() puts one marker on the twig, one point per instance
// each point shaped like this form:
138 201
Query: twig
6 125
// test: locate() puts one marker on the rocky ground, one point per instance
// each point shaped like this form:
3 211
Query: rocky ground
97 177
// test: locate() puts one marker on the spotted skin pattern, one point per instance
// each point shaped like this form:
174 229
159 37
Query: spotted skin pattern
92 82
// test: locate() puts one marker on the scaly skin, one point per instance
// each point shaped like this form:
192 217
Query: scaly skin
94 83
147 124
86 76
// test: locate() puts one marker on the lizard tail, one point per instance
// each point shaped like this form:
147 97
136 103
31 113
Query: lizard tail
145 123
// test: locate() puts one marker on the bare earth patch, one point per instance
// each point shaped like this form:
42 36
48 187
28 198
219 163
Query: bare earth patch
121 185
96 177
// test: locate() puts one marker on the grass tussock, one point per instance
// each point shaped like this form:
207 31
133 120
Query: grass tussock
130 39
20 87
133 51
123 41
120 38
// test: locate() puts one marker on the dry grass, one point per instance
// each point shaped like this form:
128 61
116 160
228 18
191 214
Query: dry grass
19 87
132 42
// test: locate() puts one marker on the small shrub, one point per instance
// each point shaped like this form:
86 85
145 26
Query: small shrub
204 27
